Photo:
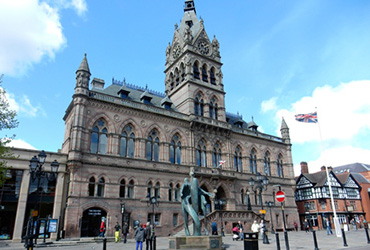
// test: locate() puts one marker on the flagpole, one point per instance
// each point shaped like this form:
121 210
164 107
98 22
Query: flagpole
336 219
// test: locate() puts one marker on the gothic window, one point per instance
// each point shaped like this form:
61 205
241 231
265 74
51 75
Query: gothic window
280 166
170 192
196 72
101 187
238 160
182 72
253 162
130 189
266 163
204 73
216 155
212 76
91 186
242 196
122 189
213 109
199 104
127 142
99 138
150 189
152 146
172 82
177 192
175 150
177 77
201 154
157 190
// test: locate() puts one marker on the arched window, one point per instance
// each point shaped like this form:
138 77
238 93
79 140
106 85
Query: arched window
157 190
99 138
182 68
150 189
127 142
130 189
266 163
253 162
177 76
198 105
216 155
152 146
201 154
170 192
204 73
175 150
122 189
212 76
101 187
92 186
172 82
196 72
238 160
280 166
242 196
177 192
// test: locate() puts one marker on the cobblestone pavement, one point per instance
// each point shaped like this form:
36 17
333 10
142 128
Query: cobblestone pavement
356 240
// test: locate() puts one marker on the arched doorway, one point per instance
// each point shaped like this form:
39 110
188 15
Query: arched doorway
91 220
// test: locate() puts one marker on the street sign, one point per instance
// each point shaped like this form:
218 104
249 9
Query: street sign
280 196
262 211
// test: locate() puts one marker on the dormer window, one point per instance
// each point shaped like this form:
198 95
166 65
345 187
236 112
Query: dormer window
146 100
146 97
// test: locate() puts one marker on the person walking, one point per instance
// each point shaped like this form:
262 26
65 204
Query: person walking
117 229
149 236
354 225
139 236
125 232
306 225
214 227
102 228
255 227
240 226
296 226
328 227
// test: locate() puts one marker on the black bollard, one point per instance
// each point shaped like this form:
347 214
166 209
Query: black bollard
105 243
367 235
154 242
277 241
286 240
344 238
315 240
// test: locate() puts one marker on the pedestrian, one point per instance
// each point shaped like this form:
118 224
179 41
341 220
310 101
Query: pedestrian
354 225
306 225
214 227
125 232
139 236
296 226
117 229
240 226
255 227
149 236
102 228
328 227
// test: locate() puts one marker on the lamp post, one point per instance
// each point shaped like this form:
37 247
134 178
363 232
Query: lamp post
270 204
153 201
219 205
260 184
37 172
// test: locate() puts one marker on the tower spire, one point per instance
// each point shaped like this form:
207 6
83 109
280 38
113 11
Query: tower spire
189 5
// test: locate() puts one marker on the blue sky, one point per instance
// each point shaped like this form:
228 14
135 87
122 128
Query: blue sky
280 58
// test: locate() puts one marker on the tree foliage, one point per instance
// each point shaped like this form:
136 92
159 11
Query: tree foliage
8 120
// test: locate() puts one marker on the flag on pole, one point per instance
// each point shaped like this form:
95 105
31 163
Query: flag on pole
220 163
310 117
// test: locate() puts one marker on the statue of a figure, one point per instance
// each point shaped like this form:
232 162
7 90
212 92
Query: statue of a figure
192 200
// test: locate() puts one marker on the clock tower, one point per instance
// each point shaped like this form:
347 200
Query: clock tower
193 69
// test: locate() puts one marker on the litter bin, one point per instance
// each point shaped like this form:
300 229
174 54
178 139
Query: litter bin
250 241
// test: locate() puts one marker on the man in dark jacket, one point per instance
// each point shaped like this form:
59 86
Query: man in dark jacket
149 236
139 236
125 232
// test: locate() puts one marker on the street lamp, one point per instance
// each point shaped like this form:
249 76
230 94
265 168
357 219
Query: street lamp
270 204
260 184
37 172
153 201
219 205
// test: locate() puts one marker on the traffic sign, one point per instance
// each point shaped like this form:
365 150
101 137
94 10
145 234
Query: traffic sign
280 196
262 211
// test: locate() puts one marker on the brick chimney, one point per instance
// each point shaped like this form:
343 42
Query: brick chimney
330 168
304 167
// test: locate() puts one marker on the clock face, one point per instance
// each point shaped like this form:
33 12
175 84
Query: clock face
176 51
203 47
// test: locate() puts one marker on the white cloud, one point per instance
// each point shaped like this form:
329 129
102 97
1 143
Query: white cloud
269 105
342 112
79 6
20 144
336 157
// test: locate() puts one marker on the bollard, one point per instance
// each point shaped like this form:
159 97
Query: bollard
367 235
277 241
154 242
105 243
344 238
315 240
286 240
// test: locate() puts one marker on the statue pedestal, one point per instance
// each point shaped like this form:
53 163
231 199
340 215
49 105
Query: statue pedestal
211 242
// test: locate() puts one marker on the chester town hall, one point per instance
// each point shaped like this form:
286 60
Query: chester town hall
125 144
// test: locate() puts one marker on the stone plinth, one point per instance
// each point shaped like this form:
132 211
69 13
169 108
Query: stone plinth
212 242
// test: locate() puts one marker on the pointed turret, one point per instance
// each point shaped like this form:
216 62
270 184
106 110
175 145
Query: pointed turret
284 131
82 78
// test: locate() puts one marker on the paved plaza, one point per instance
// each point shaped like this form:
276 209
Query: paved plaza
297 241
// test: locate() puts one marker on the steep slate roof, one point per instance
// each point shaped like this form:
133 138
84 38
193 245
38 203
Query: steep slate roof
360 178
343 177
352 168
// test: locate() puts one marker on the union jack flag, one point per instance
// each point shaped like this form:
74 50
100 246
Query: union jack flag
310 117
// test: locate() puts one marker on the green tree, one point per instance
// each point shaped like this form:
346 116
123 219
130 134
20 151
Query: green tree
7 121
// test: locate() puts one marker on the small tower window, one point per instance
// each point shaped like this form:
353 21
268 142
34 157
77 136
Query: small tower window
212 76
196 72
204 73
